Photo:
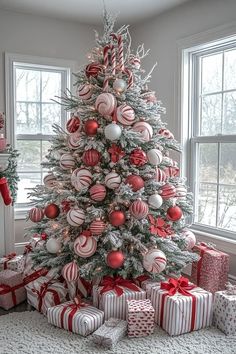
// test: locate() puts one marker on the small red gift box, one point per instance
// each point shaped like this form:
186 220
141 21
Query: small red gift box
140 318
12 291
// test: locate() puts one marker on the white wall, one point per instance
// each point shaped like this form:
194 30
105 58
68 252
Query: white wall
45 37
161 35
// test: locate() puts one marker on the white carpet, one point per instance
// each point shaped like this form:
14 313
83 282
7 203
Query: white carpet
29 333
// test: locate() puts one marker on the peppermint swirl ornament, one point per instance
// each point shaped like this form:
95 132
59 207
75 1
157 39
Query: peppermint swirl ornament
154 156
105 104
75 217
84 92
145 129
85 245
81 178
125 114
154 261
74 141
112 180
49 180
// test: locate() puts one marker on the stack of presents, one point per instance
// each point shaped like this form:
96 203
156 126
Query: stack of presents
116 307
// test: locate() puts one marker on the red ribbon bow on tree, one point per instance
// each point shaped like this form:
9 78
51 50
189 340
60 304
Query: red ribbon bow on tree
109 283
159 227
8 258
116 153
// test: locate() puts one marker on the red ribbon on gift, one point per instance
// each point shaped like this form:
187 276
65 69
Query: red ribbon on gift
35 275
8 258
5 289
109 283
182 286
141 278
75 306
44 289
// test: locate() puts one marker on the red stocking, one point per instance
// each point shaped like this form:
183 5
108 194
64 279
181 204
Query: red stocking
5 192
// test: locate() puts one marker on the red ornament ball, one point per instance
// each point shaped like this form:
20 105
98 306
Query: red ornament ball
98 192
136 182
117 218
52 211
73 124
93 69
138 157
36 214
91 157
44 236
90 127
97 227
174 213
115 259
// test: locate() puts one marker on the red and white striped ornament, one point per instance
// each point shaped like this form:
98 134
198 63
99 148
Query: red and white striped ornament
98 192
105 104
93 69
84 92
119 39
136 62
97 227
74 141
85 246
81 178
70 271
160 175
139 209
166 133
49 180
75 217
190 239
112 180
181 191
124 114
138 157
154 261
154 156
145 129
73 124
36 214
167 191
67 161
91 157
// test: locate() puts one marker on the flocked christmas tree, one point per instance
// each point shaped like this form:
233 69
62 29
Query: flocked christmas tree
113 202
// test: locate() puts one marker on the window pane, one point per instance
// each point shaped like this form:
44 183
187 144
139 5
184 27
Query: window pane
230 70
228 163
207 204
229 113
51 113
212 73
45 146
27 118
27 85
27 180
29 159
211 115
51 86
208 162
227 208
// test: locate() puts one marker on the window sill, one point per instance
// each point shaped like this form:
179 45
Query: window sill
20 214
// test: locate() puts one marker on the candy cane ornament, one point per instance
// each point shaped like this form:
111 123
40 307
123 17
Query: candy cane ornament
106 50
119 40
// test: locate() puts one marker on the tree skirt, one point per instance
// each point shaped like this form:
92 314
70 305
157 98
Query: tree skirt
29 333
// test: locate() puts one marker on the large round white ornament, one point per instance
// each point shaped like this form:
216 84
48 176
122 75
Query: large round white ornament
53 245
112 180
75 217
84 91
81 178
112 131
85 246
190 239
125 114
155 201
154 156
145 129
105 104
119 85
49 180
154 261
67 161
70 271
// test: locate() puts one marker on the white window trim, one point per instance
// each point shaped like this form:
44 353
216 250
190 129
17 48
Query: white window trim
183 87
69 66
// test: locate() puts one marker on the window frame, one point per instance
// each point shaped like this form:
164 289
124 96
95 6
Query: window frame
66 67
189 51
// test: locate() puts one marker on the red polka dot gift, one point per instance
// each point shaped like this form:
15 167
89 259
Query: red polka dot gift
140 317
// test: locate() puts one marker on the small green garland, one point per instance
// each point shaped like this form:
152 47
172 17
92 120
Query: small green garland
10 173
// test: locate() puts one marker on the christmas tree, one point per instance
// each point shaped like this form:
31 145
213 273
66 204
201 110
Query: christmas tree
113 202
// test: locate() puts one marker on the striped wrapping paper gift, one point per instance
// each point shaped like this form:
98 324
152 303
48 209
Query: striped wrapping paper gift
174 313
83 320
114 305
43 293
11 262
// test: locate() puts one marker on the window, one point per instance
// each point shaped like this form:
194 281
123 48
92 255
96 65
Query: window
34 86
212 136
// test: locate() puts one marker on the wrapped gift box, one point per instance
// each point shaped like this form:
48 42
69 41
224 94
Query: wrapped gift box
146 283
76 316
43 293
12 262
110 333
224 316
12 291
181 307
112 295
140 318
211 271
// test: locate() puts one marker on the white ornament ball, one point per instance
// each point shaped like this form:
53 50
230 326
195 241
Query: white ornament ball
190 239
81 178
154 156
155 201
154 261
67 162
53 245
145 129
84 91
85 246
75 217
112 131
112 180
119 85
